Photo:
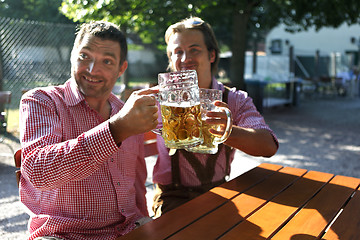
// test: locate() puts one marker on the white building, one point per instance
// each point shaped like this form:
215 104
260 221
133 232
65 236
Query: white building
341 45
327 40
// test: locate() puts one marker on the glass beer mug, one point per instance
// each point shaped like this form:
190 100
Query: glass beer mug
180 109
211 142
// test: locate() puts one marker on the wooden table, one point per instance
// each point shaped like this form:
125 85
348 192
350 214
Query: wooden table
269 201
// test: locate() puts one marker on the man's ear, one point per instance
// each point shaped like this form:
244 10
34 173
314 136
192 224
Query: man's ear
212 56
123 68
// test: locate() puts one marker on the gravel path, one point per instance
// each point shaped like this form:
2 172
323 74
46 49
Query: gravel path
320 134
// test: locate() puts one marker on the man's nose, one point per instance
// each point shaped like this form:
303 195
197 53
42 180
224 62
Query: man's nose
91 66
185 57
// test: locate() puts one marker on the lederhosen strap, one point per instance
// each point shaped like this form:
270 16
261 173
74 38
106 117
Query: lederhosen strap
205 173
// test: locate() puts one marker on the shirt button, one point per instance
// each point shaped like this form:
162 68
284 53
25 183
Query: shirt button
112 160
122 210
118 183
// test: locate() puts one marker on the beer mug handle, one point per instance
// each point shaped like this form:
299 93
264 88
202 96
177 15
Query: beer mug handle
157 131
228 128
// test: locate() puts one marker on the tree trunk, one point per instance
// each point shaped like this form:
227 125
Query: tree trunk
254 57
239 40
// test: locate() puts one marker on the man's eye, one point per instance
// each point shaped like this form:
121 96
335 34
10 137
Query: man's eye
194 50
108 62
178 52
83 56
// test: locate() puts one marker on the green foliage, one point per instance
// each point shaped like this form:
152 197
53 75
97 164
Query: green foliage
300 15
37 10
135 47
149 19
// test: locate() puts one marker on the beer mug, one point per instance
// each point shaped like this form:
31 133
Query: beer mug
211 142
180 109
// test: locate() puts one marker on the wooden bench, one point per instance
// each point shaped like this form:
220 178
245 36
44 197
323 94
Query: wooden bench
149 148
17 159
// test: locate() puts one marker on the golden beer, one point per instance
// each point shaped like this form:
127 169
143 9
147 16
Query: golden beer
210 144
181 126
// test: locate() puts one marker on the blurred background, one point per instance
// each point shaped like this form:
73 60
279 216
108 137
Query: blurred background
279 51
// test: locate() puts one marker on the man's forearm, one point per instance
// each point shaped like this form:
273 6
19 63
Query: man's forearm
255 142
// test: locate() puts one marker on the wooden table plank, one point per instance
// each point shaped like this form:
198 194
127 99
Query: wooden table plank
265 203
175 220
347 225
234 211
311 220
272 215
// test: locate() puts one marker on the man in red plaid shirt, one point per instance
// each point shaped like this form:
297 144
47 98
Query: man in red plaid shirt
83 169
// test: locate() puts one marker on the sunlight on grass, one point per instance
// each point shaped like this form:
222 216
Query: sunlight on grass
13 122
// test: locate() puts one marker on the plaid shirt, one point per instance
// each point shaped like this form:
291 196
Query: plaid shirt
76 182
244 115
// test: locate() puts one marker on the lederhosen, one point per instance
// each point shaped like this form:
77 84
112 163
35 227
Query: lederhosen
170 196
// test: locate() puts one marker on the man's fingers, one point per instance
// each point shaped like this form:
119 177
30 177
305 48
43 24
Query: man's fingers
155 115
148 91
146 96
212 114
217 121
220 104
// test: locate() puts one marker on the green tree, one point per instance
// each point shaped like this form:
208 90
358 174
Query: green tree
232 20
37 10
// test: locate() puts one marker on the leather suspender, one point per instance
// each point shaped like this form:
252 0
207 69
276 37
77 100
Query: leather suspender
204 173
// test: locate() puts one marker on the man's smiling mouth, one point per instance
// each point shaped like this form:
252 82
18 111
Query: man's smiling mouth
91 80
188 67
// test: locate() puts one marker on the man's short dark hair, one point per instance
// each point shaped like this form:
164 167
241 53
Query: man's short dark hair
105 31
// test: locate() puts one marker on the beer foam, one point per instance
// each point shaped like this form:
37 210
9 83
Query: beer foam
181 104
